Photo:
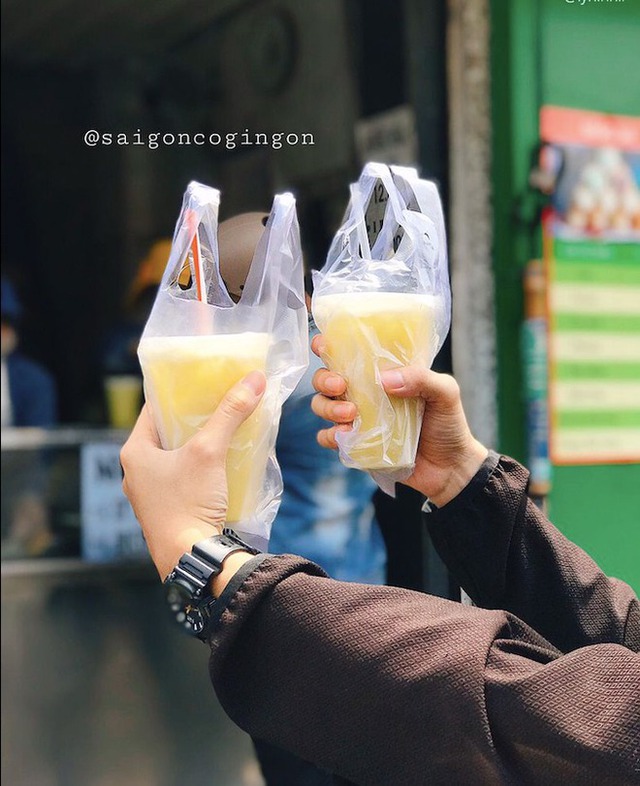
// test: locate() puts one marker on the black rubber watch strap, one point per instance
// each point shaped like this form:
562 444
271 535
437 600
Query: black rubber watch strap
192 575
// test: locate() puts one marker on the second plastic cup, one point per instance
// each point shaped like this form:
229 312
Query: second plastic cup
367 333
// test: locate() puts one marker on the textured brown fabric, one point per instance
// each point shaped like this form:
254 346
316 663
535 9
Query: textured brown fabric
506 555
389 687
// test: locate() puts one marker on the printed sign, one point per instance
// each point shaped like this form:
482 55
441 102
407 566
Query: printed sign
592 253
388 138
110 531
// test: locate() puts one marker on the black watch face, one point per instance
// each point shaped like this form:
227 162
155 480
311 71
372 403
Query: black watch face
183 611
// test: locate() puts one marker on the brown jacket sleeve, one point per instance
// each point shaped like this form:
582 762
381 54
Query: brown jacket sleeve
390 687
506 555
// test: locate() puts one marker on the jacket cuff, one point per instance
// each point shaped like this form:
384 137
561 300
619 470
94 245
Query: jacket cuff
475 485
256 578
473 533
218 607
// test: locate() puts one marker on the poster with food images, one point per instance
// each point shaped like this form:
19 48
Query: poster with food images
590 163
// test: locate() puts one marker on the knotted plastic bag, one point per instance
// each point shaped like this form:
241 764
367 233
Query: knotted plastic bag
198 342
382 300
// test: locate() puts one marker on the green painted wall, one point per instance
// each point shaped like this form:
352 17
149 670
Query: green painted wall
582 56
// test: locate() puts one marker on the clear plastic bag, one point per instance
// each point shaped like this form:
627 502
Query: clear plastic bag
382 300
198 342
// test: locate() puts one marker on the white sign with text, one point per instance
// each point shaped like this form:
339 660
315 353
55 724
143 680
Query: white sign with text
110 531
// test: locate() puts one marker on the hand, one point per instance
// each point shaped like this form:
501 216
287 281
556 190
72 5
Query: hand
448 455
180 496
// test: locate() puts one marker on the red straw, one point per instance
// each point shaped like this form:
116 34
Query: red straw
190 219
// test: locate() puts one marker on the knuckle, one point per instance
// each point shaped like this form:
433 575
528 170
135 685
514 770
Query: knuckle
450 387
205 450
236 404
317 404
125 455
326 438
318 378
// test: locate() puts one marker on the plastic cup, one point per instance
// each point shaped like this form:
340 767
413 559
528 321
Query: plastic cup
123 396
185 379
366 334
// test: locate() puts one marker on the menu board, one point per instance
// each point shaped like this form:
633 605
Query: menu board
592 256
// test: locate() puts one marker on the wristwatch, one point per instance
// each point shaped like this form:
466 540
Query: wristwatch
186 586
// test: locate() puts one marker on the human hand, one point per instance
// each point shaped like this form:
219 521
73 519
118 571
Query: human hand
448 455
180 496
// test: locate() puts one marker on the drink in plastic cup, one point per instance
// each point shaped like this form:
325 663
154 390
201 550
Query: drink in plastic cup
185 379
124 396
367 333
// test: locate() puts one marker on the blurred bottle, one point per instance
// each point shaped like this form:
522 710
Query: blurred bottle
122 380
536 387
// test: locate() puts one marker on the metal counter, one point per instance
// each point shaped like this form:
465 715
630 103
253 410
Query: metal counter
98 688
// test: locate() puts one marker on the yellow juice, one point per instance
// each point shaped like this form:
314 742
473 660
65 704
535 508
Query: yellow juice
123 394
185 379
367 333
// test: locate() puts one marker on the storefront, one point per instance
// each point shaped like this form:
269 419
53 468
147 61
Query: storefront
96 682
108 115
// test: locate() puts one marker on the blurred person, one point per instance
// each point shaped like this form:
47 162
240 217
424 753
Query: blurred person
28 389
120 349
29 399
326 512
120 368
536 683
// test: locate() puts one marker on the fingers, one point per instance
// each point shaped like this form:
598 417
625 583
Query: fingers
328 383
327 436
413 382
318 345
236 406
336 411
143 435
144 429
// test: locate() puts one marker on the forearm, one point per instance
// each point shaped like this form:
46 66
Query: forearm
506 554
381 685
356 678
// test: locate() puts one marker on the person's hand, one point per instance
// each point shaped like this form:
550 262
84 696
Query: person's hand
448 455
180 496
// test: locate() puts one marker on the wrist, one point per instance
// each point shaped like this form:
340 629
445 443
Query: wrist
182 543
230 567
201 575
465 468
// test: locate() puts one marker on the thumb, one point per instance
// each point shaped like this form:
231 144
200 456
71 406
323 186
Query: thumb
236 406
416 381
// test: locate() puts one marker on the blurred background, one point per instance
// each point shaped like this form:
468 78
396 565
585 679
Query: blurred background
543 219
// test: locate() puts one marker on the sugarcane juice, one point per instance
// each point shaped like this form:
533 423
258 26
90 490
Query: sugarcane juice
185 378
366 334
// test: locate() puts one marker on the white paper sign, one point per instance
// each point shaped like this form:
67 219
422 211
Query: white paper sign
110 531
389 137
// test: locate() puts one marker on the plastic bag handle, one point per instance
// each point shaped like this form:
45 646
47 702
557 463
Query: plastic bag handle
357 209
428 199
374 172
283 210
197 200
